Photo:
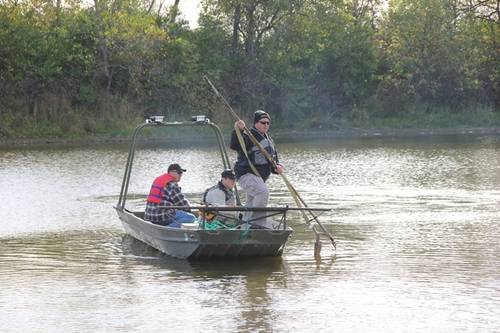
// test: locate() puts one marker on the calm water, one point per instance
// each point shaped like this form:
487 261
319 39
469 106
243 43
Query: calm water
417 225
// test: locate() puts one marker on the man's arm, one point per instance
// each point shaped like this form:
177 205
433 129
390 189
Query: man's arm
177 197
276 159
235 144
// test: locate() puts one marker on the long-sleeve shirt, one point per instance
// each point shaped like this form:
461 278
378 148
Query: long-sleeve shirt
160 213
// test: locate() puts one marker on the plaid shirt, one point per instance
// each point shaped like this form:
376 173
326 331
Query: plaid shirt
160 213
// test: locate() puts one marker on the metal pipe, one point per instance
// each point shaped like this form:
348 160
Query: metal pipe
225 158
128 167
133 144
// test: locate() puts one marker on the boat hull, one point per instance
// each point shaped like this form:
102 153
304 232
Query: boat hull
186 243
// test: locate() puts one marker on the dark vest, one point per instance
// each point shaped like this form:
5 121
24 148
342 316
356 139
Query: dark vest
256 157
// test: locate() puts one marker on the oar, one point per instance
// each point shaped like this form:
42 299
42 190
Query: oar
293 191
296 194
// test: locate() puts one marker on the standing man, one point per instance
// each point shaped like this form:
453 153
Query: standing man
252 168
166 192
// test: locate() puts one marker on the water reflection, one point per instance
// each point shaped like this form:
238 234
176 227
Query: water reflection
246 280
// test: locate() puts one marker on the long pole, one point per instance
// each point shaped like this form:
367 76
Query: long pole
298 199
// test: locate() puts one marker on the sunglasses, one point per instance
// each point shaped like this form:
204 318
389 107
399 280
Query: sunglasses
264 122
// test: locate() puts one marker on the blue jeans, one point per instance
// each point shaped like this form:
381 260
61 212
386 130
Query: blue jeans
181 217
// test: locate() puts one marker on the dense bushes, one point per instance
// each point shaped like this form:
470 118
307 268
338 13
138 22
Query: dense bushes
79 69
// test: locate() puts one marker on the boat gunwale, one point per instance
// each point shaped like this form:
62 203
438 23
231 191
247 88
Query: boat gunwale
198 230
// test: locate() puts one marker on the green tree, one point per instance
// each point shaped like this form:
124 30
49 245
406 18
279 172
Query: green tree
248 24
480 26
432 57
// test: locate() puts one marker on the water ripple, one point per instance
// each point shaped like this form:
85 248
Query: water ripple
416 225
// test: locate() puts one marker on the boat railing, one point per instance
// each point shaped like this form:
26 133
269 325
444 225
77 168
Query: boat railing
238 218
157 121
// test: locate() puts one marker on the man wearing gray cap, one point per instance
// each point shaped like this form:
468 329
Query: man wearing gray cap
166 192
252 168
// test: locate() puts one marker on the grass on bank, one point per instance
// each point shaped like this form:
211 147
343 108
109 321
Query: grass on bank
427 118
84 125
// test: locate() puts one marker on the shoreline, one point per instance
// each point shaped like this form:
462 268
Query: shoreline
278 135
388 133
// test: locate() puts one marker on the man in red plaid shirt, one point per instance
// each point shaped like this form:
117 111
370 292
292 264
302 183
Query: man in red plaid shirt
166 192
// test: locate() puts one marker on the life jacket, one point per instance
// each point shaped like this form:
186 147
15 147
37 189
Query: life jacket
157 189
256 157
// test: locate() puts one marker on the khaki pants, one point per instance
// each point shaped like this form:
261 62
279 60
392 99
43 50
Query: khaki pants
257 196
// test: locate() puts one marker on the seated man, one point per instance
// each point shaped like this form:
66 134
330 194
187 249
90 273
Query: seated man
221 194
166 192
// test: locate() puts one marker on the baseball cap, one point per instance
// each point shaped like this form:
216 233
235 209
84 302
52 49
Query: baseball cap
228 173
176 167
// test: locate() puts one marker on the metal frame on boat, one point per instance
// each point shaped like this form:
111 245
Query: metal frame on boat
197 241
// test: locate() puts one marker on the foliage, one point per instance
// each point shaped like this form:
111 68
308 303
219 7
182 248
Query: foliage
78 68
432 56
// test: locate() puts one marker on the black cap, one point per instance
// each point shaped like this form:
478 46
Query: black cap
228 173
259 114
176 167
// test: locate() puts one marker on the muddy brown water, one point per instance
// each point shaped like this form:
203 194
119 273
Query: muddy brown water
416 220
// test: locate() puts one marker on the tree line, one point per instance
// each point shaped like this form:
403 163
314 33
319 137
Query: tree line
81 68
